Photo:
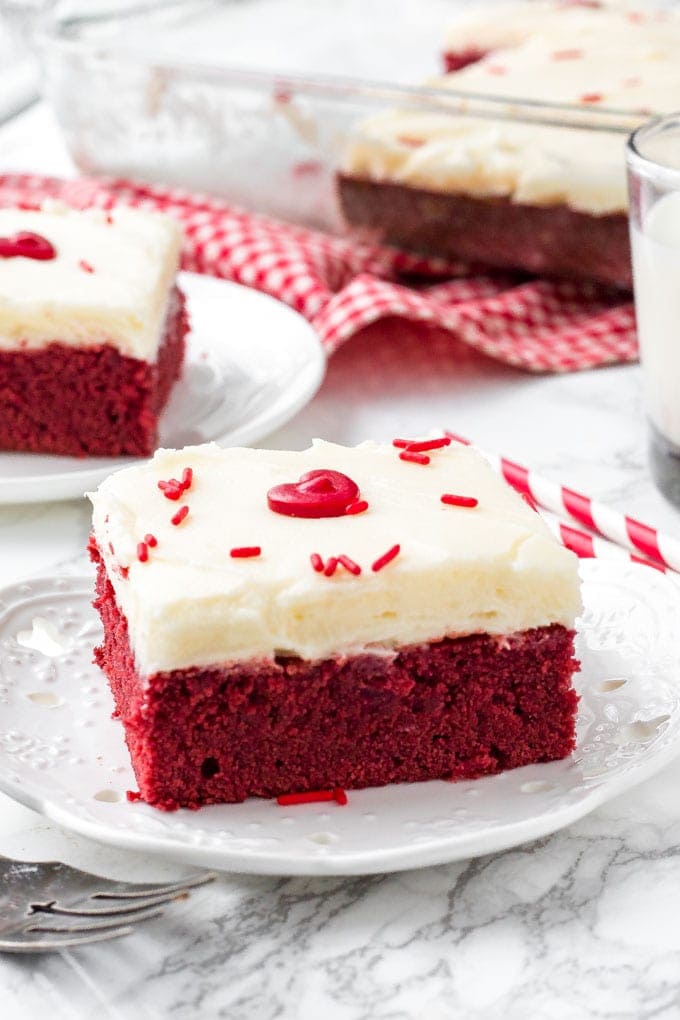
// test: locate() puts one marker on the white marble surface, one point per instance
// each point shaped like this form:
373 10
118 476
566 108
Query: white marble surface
581 924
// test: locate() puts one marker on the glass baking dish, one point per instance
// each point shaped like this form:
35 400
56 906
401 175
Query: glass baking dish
255 100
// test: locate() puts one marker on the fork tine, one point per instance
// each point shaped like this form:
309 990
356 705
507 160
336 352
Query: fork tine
120 908
30 907
158 890
45 928
50 945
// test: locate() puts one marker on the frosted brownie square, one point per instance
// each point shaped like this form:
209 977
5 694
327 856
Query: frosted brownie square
338 617
514 189
92 329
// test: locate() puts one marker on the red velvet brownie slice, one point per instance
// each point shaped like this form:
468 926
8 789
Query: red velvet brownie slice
92 329
511 192
277 622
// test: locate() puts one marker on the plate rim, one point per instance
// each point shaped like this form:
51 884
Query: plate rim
439 849
62 487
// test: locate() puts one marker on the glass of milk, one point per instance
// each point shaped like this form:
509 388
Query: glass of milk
654 187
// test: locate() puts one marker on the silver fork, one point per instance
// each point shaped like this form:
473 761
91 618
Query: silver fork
48 905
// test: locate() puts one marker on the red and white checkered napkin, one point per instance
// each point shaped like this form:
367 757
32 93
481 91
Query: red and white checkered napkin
342 285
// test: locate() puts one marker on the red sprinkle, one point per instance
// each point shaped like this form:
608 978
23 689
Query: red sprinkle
151 540
180 515
414 458
349 564
592 97
142 552
452 500
386 558
357 507
243 552
422 445
331 566
317 562
171 489
307 167
402 444
567 54
85 266
133 795
458 439
313 797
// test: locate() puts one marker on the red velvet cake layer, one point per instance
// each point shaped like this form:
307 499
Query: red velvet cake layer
454 709
89 401
546 240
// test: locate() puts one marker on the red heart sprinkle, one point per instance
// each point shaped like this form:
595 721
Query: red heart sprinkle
28 245
316 494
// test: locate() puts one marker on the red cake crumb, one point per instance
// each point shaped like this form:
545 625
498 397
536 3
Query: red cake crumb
89 401
453 709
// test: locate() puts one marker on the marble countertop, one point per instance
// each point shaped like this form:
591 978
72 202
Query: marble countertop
580 924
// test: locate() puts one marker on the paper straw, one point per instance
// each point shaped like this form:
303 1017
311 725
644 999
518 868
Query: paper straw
592 547
618 528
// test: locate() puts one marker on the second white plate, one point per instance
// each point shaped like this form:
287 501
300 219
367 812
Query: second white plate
62 753
252 363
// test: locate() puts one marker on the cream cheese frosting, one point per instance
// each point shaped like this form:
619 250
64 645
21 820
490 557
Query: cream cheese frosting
491 569
108 284
592 58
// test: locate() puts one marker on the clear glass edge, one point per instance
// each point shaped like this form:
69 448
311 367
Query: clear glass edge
53 39
641 165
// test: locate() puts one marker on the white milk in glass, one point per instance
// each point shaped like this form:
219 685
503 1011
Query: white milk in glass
656 268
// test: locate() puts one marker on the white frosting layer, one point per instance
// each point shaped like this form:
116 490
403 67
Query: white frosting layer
495 568
592 57
121 302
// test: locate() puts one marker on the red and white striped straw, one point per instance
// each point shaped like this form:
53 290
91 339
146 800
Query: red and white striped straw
626 532
592 547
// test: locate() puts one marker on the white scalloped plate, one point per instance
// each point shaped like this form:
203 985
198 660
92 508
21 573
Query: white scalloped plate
251 364
61 753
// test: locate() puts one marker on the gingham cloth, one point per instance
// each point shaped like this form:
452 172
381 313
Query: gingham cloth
342 285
